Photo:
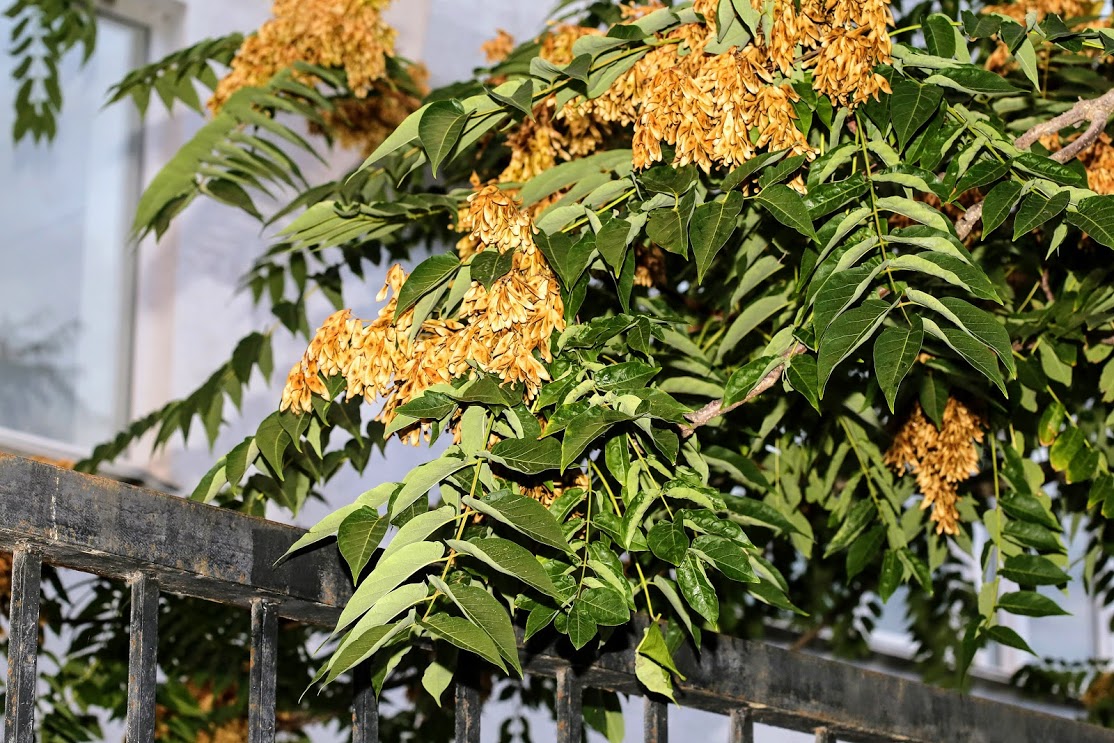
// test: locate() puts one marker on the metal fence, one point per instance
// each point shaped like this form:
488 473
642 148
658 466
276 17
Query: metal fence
156 542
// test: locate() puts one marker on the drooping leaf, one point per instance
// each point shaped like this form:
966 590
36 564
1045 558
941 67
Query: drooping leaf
787 206
439 129
426 277
895 350
712 224
358 537
524 514
465 635
510 559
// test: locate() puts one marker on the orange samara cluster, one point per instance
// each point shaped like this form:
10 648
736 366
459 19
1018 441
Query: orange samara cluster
503 330
940 458
713 109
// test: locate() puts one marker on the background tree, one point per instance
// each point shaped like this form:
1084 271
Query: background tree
756 313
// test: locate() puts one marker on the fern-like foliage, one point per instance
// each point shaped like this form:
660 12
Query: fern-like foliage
175 77
244 148
45 30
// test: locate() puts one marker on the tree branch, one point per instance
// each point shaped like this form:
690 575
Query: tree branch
715 408
1097 111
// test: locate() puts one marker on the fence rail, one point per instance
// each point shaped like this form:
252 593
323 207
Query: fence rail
156 542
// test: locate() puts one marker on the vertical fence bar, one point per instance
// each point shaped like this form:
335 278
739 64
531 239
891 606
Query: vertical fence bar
655 718
365 710
569 715
142 659
468 709
823 735
742 726
264 668
23 647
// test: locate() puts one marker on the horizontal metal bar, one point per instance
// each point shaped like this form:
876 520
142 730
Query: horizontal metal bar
142 659
263 676
23 647
104 527
800 691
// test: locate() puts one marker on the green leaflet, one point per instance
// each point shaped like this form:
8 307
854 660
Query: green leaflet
358 537
711 226
388 575
912 104
465 635
1095 216
846 333
524 514
487 613
422 478
427 276
895 350
510 559
787 206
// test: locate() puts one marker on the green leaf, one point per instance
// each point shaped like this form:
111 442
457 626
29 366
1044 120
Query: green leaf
430 405
436 679
857 519
974 352
1033 570
726 556
388 574
972 80
419 528
892 573
487 613
748 168
581 627
653 676
846 333
802 375
605 606
488 266
825 198
635 512
1095 216
510 559
1009 637
358 537
669 227
998 204
1030 604
654 647
744 379
980 174
1046 167
912 104
1033 535
953 270
938 35
668 541
272 440
982 326
584 429
712 224
894 353
788 207
426 277
627 376
1035 210
529 456
439 130
567 258
524 514
696 588
465 635
422 478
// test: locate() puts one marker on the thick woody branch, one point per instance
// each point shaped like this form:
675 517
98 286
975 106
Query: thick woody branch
1096 111
716 408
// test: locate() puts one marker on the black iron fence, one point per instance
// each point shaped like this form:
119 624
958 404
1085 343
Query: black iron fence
156 542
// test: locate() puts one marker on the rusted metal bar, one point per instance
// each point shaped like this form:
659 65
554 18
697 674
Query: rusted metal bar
23 647
468 709
104 527
570 717
365 709
655 720
142 658
824 735
742 726
264 672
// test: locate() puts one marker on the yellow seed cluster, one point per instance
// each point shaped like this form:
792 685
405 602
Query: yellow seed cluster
348 34
941 458
1098 159
1066 9
714 109
503 330
545 494
498 48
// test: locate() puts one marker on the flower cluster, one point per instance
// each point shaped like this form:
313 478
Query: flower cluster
1098 159
713 109
503 329
941 458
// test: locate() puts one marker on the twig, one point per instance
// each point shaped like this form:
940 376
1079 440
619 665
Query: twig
1095 110
715 408
1046 285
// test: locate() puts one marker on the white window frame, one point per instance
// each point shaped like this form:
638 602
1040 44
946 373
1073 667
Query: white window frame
147 274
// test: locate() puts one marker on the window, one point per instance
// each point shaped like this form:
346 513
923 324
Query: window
66 286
